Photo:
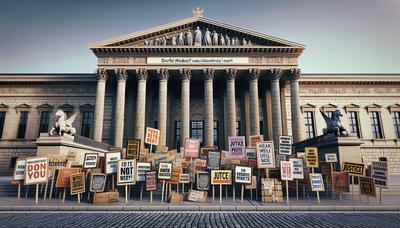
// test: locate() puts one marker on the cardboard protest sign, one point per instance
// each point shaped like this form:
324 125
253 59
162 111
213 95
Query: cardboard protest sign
279 158
287 170
340 182
367 186
197 196
71 155
331 157
192 147
325 168
77 183
265 155
200 165
237 146
19 169
142 168
184 178
213 160
176 171
253 184
151 181
98 182
352 168
36 170
285 144
143 154
126 172
297 168
251 152
164 171
111 160
205 149
57 162
254 139
63 178
221 177
152 136
243 174
312 157
252 163
317 183
203 180
133 149
379 171
90 160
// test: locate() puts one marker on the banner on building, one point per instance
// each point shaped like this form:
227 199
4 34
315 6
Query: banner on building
203 181
251 152
133 149
286 170
311 157
111 160
221 177
152 136
142 168
151 181
285 145
36 170
126 172
64 177
192 147
317 182
184 178
77 183
237 146
367 186
353 168
265 155
90 160
213 160
97 182
379 171
164 171
243 174
19 169
331 157
57 162
298 169
254 139
340 182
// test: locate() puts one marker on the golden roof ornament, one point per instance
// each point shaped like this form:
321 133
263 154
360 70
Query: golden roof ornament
198 12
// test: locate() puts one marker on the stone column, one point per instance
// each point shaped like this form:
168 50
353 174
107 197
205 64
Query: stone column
122 75
254 107
208 107
276 105
162 104
230 102
297 118
140 104
99 108
185 104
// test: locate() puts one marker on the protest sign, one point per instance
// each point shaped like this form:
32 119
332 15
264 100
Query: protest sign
151 181
164 171
36 170
254 139
205 149
200 165
126 172
251 152
379 171
63 178
253 184
176 171
279 158
152 136
90 160
352 168
222 177
203 180
265 155
142 168
243 174
287 170
77 183
312 157
97 182
71 155
197 196
297 168
331 157
192 147
19 169
367 186
325 168
237 146
57 162
213 160
340 182
133 149
143 154
111 160
285 144
317 183
184 178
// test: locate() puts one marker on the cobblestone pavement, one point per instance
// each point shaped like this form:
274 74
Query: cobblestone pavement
200 219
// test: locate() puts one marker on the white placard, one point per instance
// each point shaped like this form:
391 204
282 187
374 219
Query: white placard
164 171
317 183
287 170
112 162
265 155
243 174
19 170
126 172
90 160
142 168
298 170
285 144
197 60
36 170
332 157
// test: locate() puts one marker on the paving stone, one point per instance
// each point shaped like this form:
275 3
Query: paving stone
322 208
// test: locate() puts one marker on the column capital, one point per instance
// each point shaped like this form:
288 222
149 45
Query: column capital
122 74
231 73
254 73
186 74
163 73
102 74
276 74
209 73
141 74
294 74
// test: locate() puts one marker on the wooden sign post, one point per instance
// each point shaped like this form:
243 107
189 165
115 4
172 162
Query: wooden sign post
36 169
184 178
298 172
142 168
312 162
77 181
126 174
19 174
63 179
317 184
243 175
379 171
152 137
164 173
287 175
353 169
111 165
151 183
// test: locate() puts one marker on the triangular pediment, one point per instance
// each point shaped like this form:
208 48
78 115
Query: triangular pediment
351 107
162 35
373 108
329 107
308 107
66 107
21 106
394 108
45 106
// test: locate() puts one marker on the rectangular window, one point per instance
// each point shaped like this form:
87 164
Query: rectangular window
309 124
87 119
261 128
23 120
376 125
238 128
44 121
178 135
215 131
353 123
2 120
396 119
196 130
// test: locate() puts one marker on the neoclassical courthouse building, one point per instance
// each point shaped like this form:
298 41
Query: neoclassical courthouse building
204 79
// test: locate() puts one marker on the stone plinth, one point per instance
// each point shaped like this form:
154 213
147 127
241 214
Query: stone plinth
61 145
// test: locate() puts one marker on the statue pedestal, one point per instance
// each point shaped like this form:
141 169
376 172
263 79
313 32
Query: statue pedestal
63 145
347 148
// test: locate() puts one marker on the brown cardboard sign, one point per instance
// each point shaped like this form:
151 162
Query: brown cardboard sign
133 149
367 186
77 183
340 182
151 181
253 184
63 178
197 196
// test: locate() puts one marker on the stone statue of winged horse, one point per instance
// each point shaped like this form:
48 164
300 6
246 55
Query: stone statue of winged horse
62 124
333 124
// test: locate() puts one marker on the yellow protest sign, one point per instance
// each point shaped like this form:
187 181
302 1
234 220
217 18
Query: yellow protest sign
312 157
